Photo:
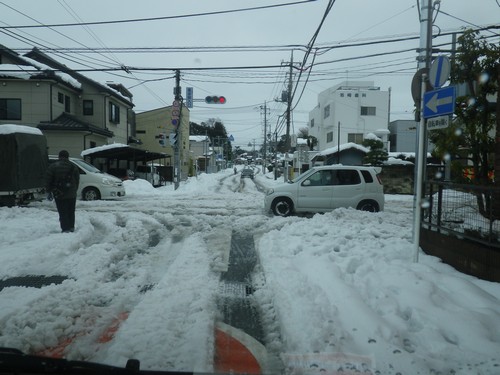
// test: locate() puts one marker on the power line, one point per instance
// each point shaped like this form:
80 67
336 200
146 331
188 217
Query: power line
148 19
462 20
48 48
89 31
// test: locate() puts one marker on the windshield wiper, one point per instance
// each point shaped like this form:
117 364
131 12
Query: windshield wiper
16 362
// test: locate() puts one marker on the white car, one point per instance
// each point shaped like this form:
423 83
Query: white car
95 184
322 189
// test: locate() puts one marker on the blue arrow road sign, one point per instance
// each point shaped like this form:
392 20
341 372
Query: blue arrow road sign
439 102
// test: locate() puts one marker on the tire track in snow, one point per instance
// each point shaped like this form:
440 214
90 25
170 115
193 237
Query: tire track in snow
240 310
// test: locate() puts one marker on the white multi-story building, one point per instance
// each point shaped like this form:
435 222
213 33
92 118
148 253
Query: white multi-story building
348 112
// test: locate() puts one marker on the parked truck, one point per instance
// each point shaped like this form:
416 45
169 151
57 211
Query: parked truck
23 164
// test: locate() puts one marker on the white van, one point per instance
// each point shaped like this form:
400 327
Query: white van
326 188
95 184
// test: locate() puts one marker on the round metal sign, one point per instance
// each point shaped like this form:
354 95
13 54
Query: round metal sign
416 84
439 72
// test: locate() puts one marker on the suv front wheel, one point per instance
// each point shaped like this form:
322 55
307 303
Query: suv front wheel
368 205
282 207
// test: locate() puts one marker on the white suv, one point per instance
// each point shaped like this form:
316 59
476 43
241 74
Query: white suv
325 188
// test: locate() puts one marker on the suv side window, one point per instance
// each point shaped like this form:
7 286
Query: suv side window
321 178
367 176
314 179
348 177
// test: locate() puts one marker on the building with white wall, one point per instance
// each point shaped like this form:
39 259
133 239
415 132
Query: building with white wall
347 112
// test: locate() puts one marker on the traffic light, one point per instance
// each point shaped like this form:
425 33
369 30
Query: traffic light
215 100
161 139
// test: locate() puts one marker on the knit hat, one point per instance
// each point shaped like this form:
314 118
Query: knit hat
64 154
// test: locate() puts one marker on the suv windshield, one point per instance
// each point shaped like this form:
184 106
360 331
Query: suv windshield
300 176
86 166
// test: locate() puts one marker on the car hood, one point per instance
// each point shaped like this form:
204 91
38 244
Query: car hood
111 177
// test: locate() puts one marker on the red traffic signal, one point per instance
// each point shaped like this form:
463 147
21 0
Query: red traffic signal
215 100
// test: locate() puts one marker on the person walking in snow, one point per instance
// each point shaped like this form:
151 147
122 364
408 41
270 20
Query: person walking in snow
62 182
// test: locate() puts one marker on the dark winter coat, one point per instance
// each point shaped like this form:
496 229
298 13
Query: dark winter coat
61 171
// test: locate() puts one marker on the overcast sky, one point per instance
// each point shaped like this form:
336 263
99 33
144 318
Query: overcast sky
273 31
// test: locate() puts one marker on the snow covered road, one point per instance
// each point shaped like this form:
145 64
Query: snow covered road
329 289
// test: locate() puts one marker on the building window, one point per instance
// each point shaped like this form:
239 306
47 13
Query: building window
60 97
114 113
349 95
368 111
341 94
356 95
329 137
312 123
326 111
363 95
355 138
67 104
10 109
88 107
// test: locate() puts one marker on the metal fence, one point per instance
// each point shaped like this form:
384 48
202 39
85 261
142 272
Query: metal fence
454 209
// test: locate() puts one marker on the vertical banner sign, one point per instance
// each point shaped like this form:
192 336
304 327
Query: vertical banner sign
189 97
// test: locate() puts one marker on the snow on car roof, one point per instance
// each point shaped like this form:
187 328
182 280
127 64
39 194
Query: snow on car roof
12 128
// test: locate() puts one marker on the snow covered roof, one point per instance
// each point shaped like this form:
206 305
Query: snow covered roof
345 146
109 87
14 71
120 151
395 161
111 146
12 128
33 69
36 64
197 138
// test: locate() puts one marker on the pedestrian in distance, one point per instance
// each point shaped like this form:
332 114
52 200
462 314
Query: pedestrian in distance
62 182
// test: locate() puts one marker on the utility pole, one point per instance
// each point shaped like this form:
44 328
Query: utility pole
178 144
265 139
288 119
424 61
